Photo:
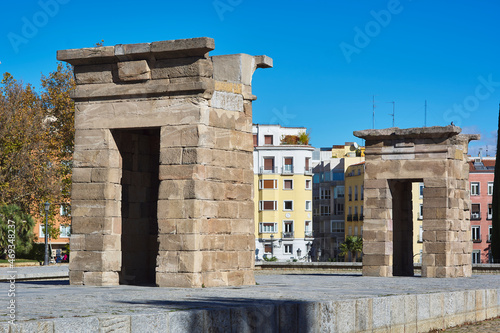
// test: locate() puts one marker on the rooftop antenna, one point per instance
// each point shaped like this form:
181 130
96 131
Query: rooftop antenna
393 111
487 151
425 114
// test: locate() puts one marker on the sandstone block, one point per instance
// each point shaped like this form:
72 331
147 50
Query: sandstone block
182 67
214 279
94 74
101 278
76 277
190 261
179 280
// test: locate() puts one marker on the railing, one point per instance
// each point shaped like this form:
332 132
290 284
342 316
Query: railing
349 217
308 171
475 216
273 170
287 170
477 240
355 217
287 234
308 234
361 217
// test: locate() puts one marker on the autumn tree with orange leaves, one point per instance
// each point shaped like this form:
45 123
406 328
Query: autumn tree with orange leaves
36 142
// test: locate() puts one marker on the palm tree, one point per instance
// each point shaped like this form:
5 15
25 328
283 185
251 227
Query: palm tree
353 245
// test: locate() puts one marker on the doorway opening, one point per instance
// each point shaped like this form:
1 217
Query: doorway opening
140 153
402 226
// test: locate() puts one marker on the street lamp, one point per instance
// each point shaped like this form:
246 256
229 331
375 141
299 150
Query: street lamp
299 252
46 261
308 247
272 245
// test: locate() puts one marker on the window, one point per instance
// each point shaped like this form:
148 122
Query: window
475 212
325 193
337 226
308 205
340 208
268 139
362 192
350 231
288 165
421 211
490 188
356 192
355 230
268 227
288 205
474 188
308 229
287 184
350 193
490 212
265 184
355 217
64 231
420 233
308 165
268 248
338 192
349 214
287 229
361 215
255 142
316 178
476 233
268 164
288 249
308 184
490 229
325 210
359 171
268 205
421 188
476 256
65 210
42 234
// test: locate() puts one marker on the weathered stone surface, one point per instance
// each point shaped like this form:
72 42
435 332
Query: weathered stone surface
163 180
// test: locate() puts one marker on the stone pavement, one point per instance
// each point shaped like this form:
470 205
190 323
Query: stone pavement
59 271
69 308
487 326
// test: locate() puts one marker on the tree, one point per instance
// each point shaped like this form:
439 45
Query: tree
353 245
495 221
16 229
36 143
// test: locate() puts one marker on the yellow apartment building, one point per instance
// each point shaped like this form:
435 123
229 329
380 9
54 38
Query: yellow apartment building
282 193
417 200
354 180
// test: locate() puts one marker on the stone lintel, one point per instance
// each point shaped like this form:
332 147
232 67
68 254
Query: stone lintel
407 133
179 48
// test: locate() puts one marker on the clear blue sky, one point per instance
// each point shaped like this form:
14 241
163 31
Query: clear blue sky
330 57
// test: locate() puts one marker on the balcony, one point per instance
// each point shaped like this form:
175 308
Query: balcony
476 240
268 171
287 235
361 217
287 170
308 171
349 217
475 216
308 234
355 217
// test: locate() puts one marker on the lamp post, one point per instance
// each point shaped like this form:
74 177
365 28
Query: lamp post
46 261
272 246
308 247
299 252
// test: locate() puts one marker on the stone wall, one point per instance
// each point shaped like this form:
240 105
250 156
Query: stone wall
396 157
162 178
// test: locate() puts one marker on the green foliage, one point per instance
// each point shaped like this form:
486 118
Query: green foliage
353 245
495 221
270 259
301 139
19 225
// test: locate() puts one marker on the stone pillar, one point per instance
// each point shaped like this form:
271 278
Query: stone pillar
438 157
192 200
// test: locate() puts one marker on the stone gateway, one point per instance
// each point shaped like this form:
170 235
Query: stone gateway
162 178
436 156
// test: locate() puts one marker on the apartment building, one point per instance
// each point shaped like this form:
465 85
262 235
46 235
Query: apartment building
481 176
62 222
329 197
354 180
282 192
417 199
